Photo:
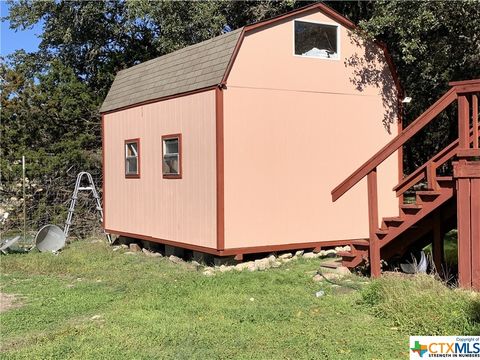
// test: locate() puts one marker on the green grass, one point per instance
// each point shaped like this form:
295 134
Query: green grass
450 248
422 305
92 303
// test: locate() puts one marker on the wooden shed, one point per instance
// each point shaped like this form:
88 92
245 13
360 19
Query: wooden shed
233 145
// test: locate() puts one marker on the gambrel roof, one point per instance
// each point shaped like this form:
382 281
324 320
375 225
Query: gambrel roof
199 66
191 68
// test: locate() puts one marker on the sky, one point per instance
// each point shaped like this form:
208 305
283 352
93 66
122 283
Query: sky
11 40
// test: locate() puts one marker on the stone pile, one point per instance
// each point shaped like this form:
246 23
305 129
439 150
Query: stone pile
272 261
263 264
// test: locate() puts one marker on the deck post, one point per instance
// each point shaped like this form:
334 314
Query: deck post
463 226
463 122
467 174
374 250
475 230
475 120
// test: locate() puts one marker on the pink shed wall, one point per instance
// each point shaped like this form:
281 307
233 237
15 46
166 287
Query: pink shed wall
182 210
294 129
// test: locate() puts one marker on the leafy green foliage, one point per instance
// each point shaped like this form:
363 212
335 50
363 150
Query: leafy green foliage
50 117
431 43
98 38
50 98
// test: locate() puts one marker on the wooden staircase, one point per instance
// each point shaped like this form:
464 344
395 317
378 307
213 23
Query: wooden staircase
426 203
436 203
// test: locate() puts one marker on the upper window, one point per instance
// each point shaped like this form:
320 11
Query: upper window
316 40
132 158
172 156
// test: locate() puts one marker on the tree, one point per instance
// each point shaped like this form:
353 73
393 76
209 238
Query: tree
50 117
431 43
50 98
98 38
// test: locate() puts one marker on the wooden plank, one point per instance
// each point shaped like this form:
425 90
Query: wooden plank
431 176
475 121
427 208
443 156
463 89
464 82
475 231
410 180
393 145
374 252
103 173
463 122
464 169
220 169
465 153
463 224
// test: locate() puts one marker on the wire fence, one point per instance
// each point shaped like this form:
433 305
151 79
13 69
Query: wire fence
46 200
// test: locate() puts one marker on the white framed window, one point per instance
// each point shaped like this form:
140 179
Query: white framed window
172 156
317 40
132 158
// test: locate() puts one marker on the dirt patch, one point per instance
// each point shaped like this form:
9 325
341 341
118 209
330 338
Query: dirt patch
8 302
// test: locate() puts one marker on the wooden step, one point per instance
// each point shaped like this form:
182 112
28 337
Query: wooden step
360 242
410 209
427 195
381 233
346 254
354 262
351 259
392 222
445 181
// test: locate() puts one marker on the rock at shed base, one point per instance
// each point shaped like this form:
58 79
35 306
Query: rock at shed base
299 253
135 247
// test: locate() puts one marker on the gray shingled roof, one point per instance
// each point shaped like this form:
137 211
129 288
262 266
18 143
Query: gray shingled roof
191 68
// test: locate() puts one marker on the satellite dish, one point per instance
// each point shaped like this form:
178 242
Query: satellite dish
50 238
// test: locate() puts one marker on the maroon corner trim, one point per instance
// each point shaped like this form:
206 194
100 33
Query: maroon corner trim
233 57
204 249
164 98
328 11
293 246
324 8
180 156
243 250
137 175
103 169
220 169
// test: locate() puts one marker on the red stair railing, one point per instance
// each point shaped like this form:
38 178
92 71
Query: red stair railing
465 93
428 170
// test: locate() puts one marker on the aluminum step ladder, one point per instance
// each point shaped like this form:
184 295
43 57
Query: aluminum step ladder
73 202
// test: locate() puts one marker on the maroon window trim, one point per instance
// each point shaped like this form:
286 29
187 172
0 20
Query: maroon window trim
131 141
180 156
